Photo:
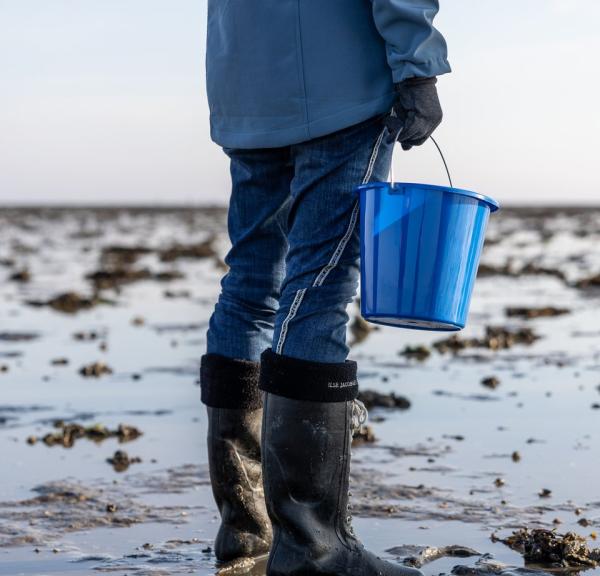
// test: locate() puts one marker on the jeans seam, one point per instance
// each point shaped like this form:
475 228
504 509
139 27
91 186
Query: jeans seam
337 254
293 310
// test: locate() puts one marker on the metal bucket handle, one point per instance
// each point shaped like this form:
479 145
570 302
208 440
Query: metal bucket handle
391 175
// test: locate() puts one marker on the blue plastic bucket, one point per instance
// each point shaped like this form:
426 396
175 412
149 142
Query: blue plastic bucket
420 250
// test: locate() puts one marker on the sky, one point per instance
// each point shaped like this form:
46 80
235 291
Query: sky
103 101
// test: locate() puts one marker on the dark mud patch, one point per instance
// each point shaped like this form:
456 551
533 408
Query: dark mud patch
495 338
528 269
116 278
68 433
373 399
549 548
20 276
491 382
117 256
95 370
198 251
121 461
419 353
88 336
590 282
527 313
70 302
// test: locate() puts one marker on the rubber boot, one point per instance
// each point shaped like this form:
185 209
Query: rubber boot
307 432
234 406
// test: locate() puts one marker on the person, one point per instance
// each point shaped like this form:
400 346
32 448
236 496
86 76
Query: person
307 99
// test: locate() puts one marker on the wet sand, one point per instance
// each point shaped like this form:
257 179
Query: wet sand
103 316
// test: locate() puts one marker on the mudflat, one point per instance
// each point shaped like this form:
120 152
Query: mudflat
482 450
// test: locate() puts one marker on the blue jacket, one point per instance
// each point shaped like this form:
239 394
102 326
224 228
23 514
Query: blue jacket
281 72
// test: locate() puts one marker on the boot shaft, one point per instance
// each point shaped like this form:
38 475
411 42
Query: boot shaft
306 459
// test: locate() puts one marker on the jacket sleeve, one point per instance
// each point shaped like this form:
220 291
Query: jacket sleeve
414 47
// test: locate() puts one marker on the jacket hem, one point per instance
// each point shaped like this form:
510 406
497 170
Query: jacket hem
305 132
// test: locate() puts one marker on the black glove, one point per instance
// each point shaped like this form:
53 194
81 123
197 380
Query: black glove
417 112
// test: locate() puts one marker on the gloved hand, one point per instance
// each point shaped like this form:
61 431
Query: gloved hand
417 112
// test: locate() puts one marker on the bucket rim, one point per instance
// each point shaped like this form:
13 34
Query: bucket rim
492 204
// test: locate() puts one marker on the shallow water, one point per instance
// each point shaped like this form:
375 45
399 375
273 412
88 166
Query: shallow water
441 473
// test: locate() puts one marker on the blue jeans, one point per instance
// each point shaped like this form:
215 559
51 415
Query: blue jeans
294 261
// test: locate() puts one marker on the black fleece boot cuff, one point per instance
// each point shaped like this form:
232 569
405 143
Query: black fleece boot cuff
230 383
303 380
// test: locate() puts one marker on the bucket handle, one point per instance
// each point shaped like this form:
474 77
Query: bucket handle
441 155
